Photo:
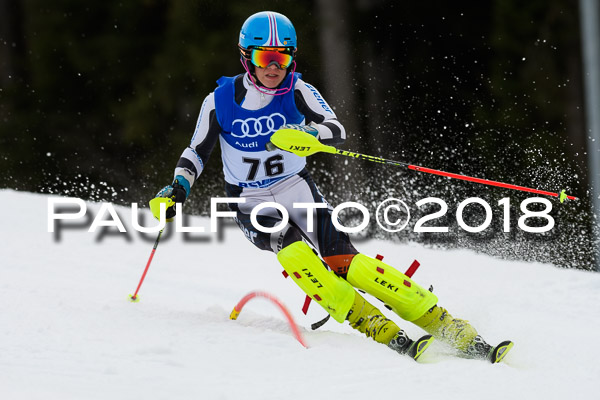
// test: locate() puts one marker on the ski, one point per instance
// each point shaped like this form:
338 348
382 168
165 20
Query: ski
412 348
499 352
479 349
419 346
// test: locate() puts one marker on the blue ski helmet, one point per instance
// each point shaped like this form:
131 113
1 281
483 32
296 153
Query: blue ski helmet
267 28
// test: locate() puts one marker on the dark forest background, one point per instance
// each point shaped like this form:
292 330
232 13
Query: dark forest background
98 100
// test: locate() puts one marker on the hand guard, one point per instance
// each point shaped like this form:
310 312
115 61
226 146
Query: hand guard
177 191
303 128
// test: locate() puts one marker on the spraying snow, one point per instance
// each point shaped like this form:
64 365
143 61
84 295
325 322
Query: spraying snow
68 330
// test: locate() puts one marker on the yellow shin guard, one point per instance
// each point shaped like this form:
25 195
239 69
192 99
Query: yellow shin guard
333 293
439 323
406 298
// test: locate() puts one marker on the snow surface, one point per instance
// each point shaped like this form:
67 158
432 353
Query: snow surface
68 330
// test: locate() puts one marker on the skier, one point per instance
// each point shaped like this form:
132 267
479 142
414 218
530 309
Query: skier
242 113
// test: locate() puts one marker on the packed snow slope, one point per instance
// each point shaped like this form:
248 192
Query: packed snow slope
68 330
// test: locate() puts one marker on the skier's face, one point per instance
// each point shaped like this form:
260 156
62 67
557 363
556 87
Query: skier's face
270 77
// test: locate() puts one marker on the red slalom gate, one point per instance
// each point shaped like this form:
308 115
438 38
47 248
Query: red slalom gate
240 305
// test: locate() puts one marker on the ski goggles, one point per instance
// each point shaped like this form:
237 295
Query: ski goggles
262 57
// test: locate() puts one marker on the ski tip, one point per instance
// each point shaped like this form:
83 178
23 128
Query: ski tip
420 346
134 299
501 351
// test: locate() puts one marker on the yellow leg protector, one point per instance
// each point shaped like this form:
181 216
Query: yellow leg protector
406 298
333 293
439 323
367 319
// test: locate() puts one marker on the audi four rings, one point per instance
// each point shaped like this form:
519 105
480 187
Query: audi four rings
259 125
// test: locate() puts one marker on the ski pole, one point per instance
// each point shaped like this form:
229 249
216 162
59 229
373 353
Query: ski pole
134 297
304 144
158 210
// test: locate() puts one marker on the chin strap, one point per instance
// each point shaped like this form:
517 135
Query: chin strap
266 90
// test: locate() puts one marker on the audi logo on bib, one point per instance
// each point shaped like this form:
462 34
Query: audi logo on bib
261 126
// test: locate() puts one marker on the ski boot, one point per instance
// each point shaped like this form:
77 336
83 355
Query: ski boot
412 348
481 350
367 319
461 335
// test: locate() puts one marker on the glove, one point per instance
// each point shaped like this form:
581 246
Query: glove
304 128
178 191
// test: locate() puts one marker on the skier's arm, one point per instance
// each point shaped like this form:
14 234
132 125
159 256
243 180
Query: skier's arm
195 156
318 114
